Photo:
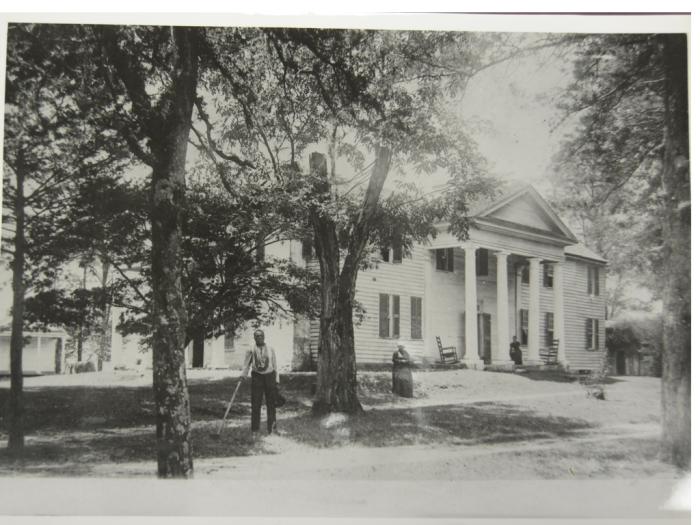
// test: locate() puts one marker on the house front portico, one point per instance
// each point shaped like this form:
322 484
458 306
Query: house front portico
497 297
513 283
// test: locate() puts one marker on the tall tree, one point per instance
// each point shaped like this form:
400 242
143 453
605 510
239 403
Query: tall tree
629 159
47 144
152 73
676 227
378 100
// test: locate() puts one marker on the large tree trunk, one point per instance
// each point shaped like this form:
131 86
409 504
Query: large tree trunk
15 417
336 388
676 295
169 313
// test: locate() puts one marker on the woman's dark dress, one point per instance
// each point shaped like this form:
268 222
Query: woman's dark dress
401 376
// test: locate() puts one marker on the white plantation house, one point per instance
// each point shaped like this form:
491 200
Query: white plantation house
522 273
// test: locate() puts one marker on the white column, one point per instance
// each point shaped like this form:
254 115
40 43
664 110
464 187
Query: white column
429 343
558 285
533 325
471 338
502 324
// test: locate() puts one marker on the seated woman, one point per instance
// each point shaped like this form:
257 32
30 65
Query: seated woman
401 377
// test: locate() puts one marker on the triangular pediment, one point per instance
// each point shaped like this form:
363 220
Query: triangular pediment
526 210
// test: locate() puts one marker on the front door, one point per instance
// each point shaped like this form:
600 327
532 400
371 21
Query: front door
621 362
484 327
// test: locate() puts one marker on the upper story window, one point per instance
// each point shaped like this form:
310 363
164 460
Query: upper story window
482 262
547 275
444 259
526 274
393 254
593 280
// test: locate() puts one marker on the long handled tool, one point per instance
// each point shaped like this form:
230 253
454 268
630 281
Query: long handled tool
228 408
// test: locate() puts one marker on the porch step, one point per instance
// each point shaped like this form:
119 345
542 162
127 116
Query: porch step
522 369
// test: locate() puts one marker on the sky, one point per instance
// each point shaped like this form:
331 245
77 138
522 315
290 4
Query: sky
517 99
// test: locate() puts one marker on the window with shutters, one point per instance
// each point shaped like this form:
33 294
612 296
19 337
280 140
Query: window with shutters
526 274
523 321
416 318
444 259
547 275
549 328
396 316
384 316
592 334
393 254
389 315
593 280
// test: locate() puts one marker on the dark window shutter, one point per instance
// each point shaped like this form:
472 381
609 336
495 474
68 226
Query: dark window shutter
596 281
397 251
549 328
450 260
416 318
307 248
384 253
383 315
589 333
595 334
397 316
526 274
548 275
590 280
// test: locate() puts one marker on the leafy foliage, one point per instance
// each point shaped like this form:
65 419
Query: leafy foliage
609 170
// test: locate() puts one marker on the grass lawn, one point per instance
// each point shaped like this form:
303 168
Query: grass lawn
462 424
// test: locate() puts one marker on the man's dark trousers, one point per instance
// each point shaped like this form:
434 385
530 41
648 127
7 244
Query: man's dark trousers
263 383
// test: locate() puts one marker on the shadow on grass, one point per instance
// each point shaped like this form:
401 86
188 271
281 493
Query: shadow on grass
71 428
563 377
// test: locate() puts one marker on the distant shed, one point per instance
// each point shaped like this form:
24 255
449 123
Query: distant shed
42 352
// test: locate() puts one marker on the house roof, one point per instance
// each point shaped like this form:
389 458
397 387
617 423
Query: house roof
579 250
488 209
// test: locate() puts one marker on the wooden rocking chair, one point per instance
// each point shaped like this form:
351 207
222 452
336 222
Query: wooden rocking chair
549 354
448 354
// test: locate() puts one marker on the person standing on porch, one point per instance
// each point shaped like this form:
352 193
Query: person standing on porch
401 377
262 361
516 354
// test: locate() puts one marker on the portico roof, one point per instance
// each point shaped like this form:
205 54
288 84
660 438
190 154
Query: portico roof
521 207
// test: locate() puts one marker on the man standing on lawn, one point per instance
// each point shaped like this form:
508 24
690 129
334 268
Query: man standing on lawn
263 362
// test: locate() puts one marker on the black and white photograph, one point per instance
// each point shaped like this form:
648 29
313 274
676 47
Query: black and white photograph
390 268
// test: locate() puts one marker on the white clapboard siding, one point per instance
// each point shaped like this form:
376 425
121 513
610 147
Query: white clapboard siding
578 306
404 279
